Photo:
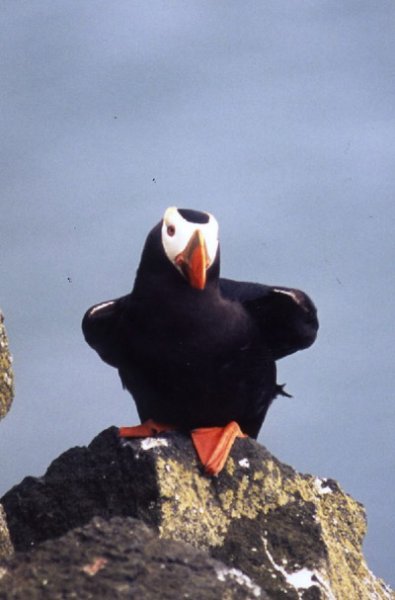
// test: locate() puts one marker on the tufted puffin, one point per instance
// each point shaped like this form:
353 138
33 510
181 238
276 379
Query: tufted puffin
196 351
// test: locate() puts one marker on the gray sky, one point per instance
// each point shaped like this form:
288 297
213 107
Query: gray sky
275 115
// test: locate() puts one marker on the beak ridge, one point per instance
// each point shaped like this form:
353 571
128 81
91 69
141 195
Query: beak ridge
193 261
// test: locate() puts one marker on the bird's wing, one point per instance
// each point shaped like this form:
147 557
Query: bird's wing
102 329
287 317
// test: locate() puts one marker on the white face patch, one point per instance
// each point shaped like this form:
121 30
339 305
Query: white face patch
177 231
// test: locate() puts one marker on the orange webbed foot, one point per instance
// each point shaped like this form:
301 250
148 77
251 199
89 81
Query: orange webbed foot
213 445
146 429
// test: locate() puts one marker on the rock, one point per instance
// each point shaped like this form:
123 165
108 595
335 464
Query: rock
6 374
6 548
120 558
6 396
294 536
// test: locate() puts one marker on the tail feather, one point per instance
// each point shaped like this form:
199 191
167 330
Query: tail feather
281 392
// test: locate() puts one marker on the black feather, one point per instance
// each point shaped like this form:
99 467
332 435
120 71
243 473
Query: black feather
195 358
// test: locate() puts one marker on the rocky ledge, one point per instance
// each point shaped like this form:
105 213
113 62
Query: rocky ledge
6 397
6 373
139 518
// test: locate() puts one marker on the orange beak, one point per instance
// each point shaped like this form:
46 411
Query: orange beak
193 261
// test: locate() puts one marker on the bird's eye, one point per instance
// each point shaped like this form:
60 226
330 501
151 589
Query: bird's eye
171 230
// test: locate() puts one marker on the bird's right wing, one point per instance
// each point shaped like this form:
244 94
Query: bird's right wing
102 329
286 316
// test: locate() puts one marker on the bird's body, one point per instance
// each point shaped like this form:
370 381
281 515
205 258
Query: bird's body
195 356
196 364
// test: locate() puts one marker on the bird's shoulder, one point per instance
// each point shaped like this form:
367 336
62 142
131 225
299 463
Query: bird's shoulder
287 317
265 297
102 327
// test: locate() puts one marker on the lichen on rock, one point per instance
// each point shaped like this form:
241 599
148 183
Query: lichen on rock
6 373
288 534
6 548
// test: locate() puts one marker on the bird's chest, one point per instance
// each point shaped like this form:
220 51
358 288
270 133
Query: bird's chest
193 340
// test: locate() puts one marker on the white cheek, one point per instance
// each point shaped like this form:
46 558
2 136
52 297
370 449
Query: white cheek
212 248
174 244
210 232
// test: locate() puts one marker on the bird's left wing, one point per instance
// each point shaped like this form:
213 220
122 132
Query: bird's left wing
102 329
287 317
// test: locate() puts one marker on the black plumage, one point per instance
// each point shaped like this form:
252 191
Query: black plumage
199 357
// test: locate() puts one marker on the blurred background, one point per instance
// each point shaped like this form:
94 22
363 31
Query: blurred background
278 117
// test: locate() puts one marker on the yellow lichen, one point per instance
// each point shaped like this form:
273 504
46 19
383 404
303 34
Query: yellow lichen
195 511
230 466
227 499
6 548
188 510
6 374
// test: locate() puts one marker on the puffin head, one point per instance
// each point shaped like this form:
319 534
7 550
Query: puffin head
190 242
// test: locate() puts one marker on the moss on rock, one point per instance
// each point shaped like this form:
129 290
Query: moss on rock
6 373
